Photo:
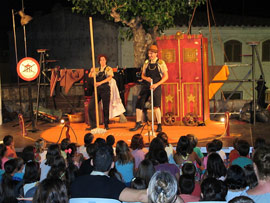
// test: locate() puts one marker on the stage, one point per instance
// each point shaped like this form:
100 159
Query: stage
51 132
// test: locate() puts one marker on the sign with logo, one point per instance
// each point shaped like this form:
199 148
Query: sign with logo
28 69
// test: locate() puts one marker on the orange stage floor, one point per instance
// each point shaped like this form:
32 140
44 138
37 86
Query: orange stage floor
121 131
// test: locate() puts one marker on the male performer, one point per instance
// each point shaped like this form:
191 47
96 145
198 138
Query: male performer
153 69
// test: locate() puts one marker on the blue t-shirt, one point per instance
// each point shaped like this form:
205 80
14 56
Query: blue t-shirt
263 198
126 170
242 161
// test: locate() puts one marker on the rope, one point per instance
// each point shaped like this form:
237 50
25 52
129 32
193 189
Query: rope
193 14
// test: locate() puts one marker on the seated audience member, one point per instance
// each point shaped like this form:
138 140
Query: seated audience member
110 140
185 153
241 199
3 150
9 142
63 146
124 163
9 188
88 138
28 153
234 154
261 159
235 181
51 190
259 142
19 169
58 170
165 166
193 142
187 185
146 170
243 149
163 188
86 167
190 169
138 183
250 176
31 176
213 190
215 167
45 166
210 148
99 185
168 147
137 149
155 145
219 145
40 146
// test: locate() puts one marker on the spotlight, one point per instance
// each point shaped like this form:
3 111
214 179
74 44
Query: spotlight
222 119
62 121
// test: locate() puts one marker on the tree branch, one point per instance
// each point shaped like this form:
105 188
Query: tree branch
117 18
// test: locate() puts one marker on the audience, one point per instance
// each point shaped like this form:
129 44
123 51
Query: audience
51 191
261 159
213 190
88 138
241 199
163 188
250 176
124 163
155 145
40 146
243 149
187 186
86 167
31 177
219 145
137 149
110 140
9 142
168 147
234 154
146 170
99 185
63 146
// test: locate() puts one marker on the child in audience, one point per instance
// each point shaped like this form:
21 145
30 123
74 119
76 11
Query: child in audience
19 169
145 171
234 154
110 140
28 153
213 190
31 176
250 176
137 149
3 157
168 147
193 142
86 166
124 163
63 146
155 145
88 138
40 146
219 145
9 142
187 185
243 149
190 169
235 182
138 183
210 148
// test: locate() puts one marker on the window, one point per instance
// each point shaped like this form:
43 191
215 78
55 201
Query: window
236 95
266 50
233 50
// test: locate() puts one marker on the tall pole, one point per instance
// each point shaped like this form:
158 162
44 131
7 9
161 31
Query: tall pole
16 57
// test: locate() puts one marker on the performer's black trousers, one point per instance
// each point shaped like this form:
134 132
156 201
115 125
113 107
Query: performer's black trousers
103 93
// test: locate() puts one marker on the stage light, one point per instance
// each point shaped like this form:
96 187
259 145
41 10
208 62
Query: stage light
62 121
222 119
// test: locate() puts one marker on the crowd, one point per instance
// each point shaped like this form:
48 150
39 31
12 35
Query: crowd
160 173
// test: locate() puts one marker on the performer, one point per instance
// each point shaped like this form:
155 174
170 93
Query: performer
153 69
104 74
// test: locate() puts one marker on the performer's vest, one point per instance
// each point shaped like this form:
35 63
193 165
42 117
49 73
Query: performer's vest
101 76
152 71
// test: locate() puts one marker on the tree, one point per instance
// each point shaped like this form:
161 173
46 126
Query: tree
145 19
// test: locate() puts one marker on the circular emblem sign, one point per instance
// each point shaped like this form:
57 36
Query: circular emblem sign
28 69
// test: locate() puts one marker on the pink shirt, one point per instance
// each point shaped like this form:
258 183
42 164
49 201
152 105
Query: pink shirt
189 198
4 160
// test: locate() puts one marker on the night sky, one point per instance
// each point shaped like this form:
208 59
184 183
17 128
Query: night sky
41 7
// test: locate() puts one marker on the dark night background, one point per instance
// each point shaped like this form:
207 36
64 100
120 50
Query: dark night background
36 8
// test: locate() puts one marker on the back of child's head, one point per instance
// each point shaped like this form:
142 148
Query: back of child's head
213 190
211 147
189 169
28 153
100 141
138 183
40 145
243 147
250 176
162 156
64 143
91 150
8 139
235 179
88 138
137 142
193 140
19 163
110 140
186 184
218 143
164 137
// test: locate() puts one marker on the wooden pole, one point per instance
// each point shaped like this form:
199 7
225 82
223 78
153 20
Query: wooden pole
93 66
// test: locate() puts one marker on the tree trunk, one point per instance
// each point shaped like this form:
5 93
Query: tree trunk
141 40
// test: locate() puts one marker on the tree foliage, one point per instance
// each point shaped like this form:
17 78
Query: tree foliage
144 18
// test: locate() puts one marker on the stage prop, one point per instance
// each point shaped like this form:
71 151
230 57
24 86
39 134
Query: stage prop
185 95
